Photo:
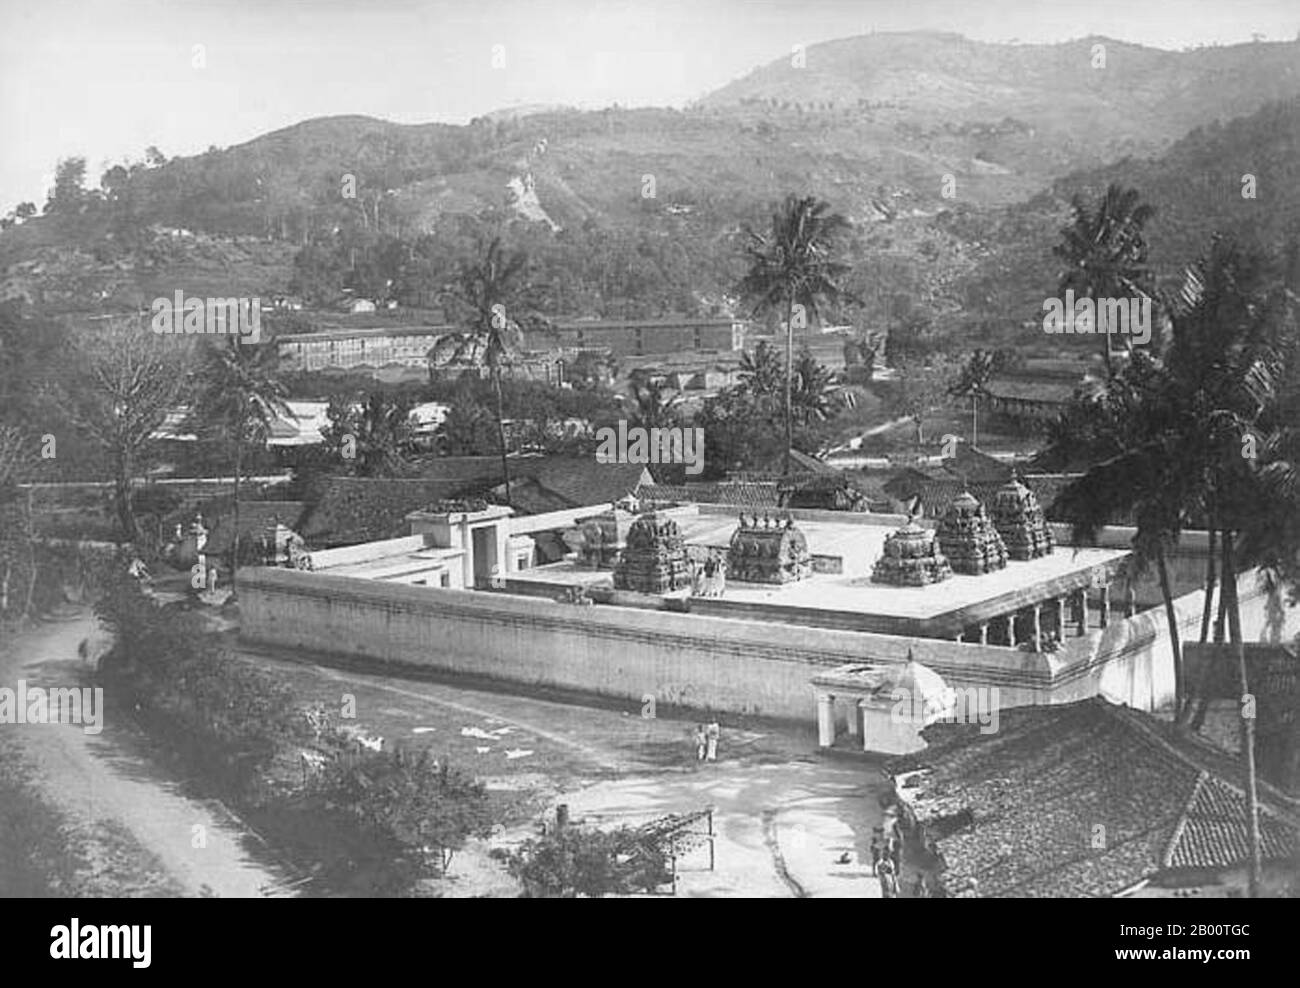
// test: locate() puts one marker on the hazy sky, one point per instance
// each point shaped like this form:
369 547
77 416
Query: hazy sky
107 78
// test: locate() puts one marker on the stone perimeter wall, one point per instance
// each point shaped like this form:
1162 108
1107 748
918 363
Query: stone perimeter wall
703 662
691 660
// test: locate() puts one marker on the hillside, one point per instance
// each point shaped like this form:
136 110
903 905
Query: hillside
1195 186
1139 94
872 124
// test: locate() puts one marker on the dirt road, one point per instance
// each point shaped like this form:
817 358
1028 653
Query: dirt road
109 779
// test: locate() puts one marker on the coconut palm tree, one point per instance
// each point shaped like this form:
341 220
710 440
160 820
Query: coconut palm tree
1105 252
488 292
240 396
794 265
1171 438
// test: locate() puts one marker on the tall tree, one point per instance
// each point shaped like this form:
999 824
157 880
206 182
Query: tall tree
794 264
69 192
1193 437
370 434
122 382
1105 252
489 293
924 384
973 381
240 395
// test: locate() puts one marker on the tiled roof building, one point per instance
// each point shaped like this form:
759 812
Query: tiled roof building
1080 799
1273 676
359 509
744 494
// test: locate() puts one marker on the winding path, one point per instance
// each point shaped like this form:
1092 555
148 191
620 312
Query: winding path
109 777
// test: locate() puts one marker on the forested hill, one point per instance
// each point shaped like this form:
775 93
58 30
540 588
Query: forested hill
1240 178
638 212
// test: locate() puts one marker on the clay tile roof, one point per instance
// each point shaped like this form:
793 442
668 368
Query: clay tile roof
1213 830
1080 799
582 480
747 494
363 509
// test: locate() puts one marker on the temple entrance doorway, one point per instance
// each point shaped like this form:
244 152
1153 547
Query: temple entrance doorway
484 546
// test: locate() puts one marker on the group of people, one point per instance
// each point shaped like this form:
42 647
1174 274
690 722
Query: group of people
887 862
706 741
711 575
1050 641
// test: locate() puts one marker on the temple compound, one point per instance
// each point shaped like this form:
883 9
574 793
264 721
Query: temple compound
821 616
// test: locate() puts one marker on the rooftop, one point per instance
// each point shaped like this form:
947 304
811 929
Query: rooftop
369 332
849 597
1018 812
585 324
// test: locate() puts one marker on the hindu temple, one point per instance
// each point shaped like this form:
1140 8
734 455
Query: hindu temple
911 558
603 537
968 538
768 551
1018 517
654 559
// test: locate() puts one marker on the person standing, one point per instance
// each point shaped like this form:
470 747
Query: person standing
710 572
888 884
712 734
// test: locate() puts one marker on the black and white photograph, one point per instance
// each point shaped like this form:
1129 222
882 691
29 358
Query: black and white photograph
731 449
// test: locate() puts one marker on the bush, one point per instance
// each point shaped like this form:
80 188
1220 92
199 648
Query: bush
414 810
570 861
217 713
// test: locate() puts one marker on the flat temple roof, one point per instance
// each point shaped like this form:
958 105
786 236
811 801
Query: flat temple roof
851 600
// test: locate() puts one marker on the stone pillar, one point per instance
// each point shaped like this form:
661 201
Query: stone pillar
825 720
858 712
1038 623
1130 599
1105 605
984 633
854 714
1083 612
1060 617
1011 629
